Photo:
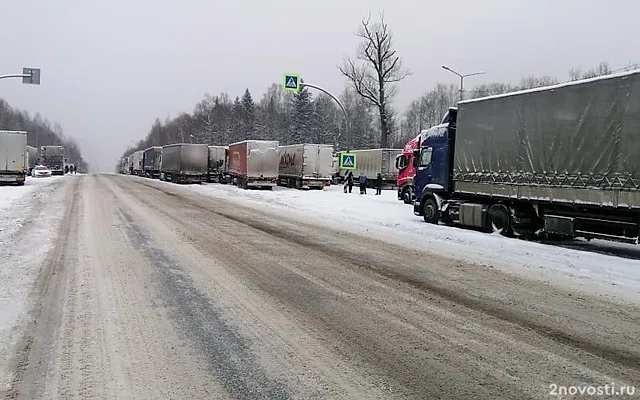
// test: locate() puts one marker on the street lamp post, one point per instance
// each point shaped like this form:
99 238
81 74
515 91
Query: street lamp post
461 78
28 75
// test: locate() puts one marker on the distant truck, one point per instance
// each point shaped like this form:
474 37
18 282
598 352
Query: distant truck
559 161
216 163
305 166
406 171
53 157
32 158
373 162
151 158
136 163
185 163
13 157
254 163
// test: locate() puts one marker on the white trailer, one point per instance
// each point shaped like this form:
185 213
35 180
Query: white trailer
305 166
13 157
217 163
254 163
136 163
372 162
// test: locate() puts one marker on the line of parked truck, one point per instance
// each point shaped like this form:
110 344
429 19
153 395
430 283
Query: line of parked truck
17 159
560 161
256 164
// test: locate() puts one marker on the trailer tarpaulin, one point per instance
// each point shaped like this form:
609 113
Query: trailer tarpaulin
582 134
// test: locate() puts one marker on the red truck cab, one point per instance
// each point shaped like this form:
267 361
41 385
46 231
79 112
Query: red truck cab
406 170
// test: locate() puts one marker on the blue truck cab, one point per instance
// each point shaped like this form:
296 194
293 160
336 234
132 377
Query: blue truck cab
434 166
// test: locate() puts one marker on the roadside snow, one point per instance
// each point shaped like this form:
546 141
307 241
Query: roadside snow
598 267
28 214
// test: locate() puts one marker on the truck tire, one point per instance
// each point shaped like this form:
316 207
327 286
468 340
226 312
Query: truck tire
500 220
407 195
430 211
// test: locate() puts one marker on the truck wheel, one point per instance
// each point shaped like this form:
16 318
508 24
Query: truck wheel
407 196
430 211
500 219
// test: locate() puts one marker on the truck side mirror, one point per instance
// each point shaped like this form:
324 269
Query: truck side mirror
416 157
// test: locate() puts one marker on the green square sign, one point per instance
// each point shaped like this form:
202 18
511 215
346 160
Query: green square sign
347 161
291 82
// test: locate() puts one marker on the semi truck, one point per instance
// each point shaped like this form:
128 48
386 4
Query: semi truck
53 157
136 163
305 166
558 161
32 154
254 163
406 170
185 163
372 162
151 158
13 157
217 163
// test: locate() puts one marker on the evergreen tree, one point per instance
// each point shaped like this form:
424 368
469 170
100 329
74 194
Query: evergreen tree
237 126
302 119
248 115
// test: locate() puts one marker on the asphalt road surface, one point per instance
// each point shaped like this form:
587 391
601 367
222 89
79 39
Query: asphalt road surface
154 292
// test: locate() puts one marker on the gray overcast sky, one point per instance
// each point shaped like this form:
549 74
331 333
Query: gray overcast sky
109 68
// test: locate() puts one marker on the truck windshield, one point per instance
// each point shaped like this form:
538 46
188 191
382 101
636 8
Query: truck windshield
425 157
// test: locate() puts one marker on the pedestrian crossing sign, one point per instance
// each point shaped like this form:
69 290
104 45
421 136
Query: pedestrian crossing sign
291 82
347 161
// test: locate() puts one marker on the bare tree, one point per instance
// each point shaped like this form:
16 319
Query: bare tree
376 69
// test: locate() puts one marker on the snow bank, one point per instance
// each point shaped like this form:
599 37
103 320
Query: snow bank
25 230
609 269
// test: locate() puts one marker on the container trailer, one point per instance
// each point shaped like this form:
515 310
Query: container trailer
254 163
185 163
305 166
556 161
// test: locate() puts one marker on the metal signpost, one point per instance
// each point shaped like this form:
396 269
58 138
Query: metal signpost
30 76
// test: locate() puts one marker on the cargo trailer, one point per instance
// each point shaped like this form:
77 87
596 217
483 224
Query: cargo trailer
13 157
217 163
185 163
32 153
254 163
151 158
372 162
555 161
53 157
305 166
136 163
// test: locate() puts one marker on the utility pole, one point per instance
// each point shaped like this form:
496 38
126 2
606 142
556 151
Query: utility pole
461 79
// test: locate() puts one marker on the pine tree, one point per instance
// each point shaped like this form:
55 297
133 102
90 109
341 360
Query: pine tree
237 126
248 115
302 121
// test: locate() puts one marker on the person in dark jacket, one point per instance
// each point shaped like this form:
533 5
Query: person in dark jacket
379 184
362 180
66 169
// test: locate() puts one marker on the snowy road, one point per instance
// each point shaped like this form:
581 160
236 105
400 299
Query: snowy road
154 291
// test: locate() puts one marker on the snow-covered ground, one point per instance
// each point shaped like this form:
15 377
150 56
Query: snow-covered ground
27 215
600 267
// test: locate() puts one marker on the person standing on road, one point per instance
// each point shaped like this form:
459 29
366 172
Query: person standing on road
379 184
362 180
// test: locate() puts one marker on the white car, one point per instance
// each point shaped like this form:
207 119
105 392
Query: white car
40 171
